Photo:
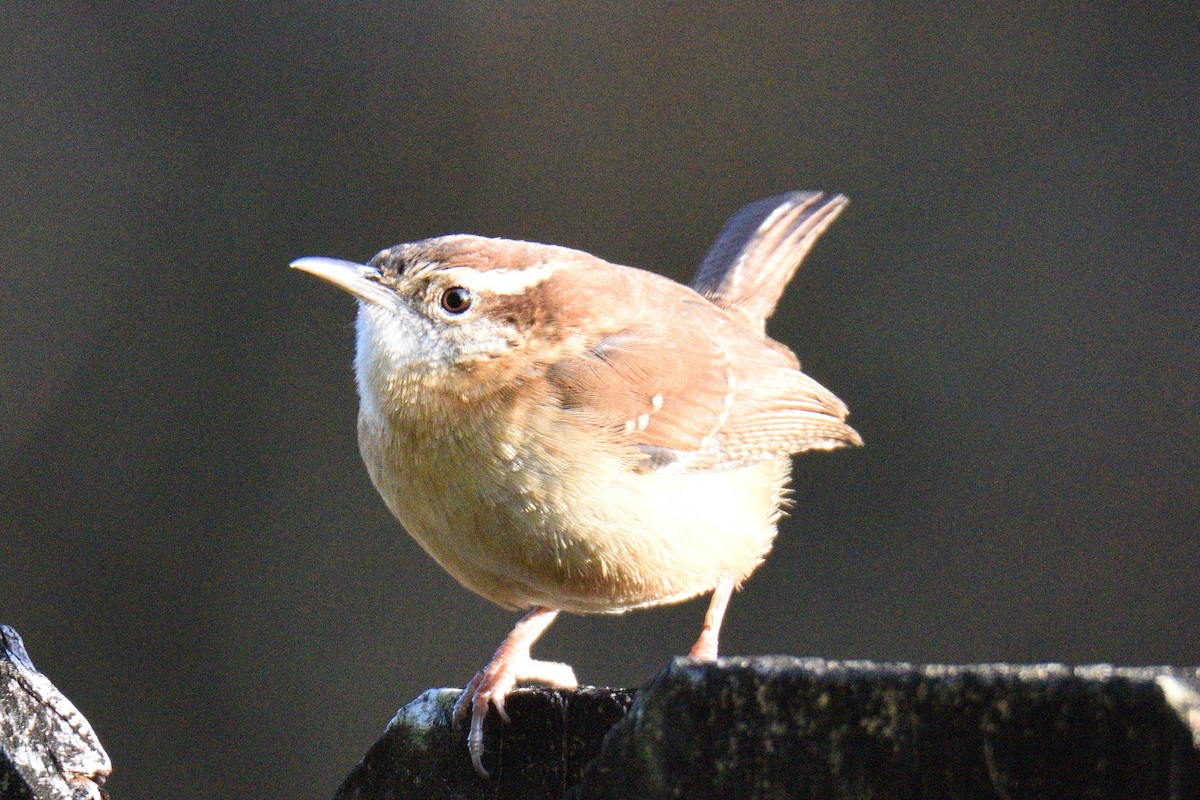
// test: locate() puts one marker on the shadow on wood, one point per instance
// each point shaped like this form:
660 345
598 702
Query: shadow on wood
552 736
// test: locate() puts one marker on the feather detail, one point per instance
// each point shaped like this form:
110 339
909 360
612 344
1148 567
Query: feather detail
698 392
759 250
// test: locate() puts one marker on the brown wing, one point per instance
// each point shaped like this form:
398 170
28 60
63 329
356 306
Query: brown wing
648 390
700 396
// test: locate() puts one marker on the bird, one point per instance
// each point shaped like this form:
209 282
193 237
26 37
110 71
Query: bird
565 434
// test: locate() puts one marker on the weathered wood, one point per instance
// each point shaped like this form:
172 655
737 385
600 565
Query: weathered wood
786 727
779 727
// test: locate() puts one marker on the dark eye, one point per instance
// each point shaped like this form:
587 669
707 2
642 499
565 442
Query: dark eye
456 300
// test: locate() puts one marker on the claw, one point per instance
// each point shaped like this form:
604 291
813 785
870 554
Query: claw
498 702
475 741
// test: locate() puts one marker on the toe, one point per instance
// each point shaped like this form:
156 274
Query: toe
466 699
551 673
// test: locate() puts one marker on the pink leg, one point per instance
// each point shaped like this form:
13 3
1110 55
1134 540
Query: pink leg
705 648
511 663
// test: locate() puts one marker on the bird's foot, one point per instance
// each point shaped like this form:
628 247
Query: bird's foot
511 664
491 686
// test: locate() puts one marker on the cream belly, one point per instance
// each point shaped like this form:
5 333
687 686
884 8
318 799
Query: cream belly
578 531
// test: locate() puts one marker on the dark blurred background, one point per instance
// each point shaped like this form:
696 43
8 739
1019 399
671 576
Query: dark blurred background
1011 308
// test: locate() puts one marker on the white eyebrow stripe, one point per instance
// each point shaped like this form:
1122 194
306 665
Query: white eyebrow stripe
503 281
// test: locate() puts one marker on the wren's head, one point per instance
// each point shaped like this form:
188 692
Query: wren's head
455 313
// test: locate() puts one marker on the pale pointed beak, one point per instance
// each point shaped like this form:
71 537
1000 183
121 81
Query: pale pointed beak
358 279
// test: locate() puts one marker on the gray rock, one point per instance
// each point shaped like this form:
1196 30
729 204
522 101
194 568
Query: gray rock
48 751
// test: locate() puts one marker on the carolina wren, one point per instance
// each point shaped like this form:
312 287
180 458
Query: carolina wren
565 434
